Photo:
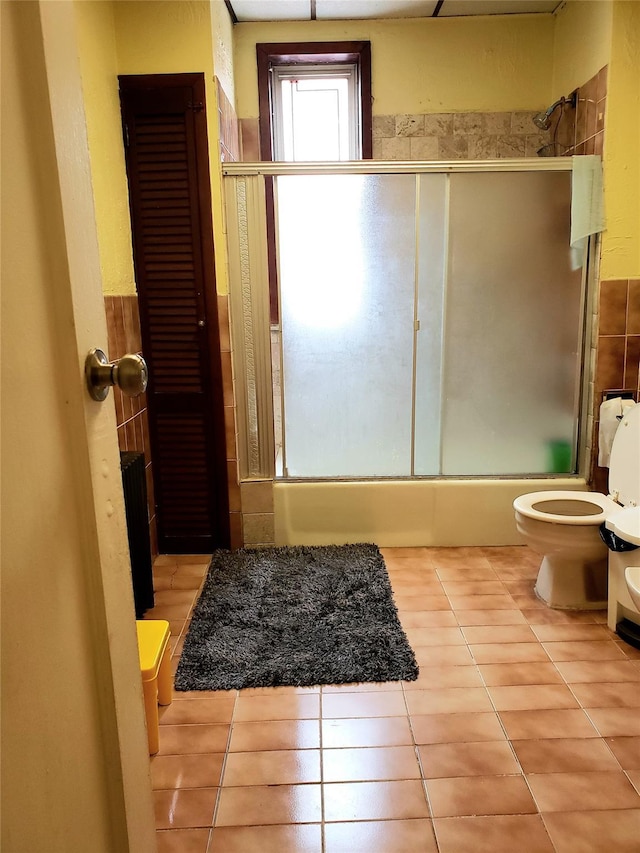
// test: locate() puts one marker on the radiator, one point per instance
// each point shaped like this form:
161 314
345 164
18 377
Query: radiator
134 483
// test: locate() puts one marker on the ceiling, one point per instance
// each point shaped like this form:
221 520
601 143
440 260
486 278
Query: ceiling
336 10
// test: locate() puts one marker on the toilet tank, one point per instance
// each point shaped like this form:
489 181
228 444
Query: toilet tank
624 467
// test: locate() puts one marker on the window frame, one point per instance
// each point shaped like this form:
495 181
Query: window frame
356 53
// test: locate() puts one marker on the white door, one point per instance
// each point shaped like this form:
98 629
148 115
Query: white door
74 755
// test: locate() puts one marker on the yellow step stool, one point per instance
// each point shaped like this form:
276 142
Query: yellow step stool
155 664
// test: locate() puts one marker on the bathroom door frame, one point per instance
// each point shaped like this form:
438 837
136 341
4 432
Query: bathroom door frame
90 630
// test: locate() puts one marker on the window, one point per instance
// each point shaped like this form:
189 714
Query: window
316 113
311 62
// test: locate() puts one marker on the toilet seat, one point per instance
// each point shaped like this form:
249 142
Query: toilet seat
590 508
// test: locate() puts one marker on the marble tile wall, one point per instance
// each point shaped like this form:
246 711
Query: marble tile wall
457 136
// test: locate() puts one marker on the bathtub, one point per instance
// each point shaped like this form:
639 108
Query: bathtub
404 512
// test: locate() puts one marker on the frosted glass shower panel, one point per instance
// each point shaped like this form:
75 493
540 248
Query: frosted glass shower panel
512 324
346 246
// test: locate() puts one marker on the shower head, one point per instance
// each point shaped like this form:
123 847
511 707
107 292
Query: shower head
543 120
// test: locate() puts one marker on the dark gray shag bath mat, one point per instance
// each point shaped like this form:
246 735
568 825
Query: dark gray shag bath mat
298 616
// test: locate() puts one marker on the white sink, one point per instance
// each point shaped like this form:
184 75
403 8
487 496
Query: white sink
632 577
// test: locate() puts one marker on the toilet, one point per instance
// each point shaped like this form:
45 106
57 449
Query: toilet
563 526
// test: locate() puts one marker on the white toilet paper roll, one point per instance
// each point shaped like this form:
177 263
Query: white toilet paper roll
611 412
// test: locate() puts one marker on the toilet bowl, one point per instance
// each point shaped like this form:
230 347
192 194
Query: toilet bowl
563 526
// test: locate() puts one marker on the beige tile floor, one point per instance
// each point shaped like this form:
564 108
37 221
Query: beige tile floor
521 734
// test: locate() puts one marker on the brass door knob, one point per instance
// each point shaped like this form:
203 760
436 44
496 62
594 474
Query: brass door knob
129 373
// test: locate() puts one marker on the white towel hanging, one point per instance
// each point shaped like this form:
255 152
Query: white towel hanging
611 413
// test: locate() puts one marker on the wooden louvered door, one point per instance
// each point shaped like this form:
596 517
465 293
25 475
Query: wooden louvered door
170 200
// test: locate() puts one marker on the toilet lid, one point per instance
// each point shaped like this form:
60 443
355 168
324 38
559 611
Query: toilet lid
624 468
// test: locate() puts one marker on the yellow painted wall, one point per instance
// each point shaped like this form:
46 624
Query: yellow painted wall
582 43
98 64
621 241
173 37
222 36
426 65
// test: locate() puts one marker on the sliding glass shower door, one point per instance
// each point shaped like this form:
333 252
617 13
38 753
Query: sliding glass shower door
347 256
431 323
511 359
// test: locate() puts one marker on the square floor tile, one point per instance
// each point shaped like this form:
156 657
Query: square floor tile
428 619
532 696
422 602
294 838
282 767
362 687
443 656
184 807
456 728
275 735
435 636
626 750
380 731
347 801
564 633
186 771
277 707
490 617
615 722
562 792
379 704
576 672
565 755
594 832
462 558
196 711
494 834
474 587
384 836
481 634
508 653
268 805
536 725
543 615
512 674
187 740
438 677
620 695
413 587
583 651
481 602
370 764
454 573
450 760
182 840
478 795
448 700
